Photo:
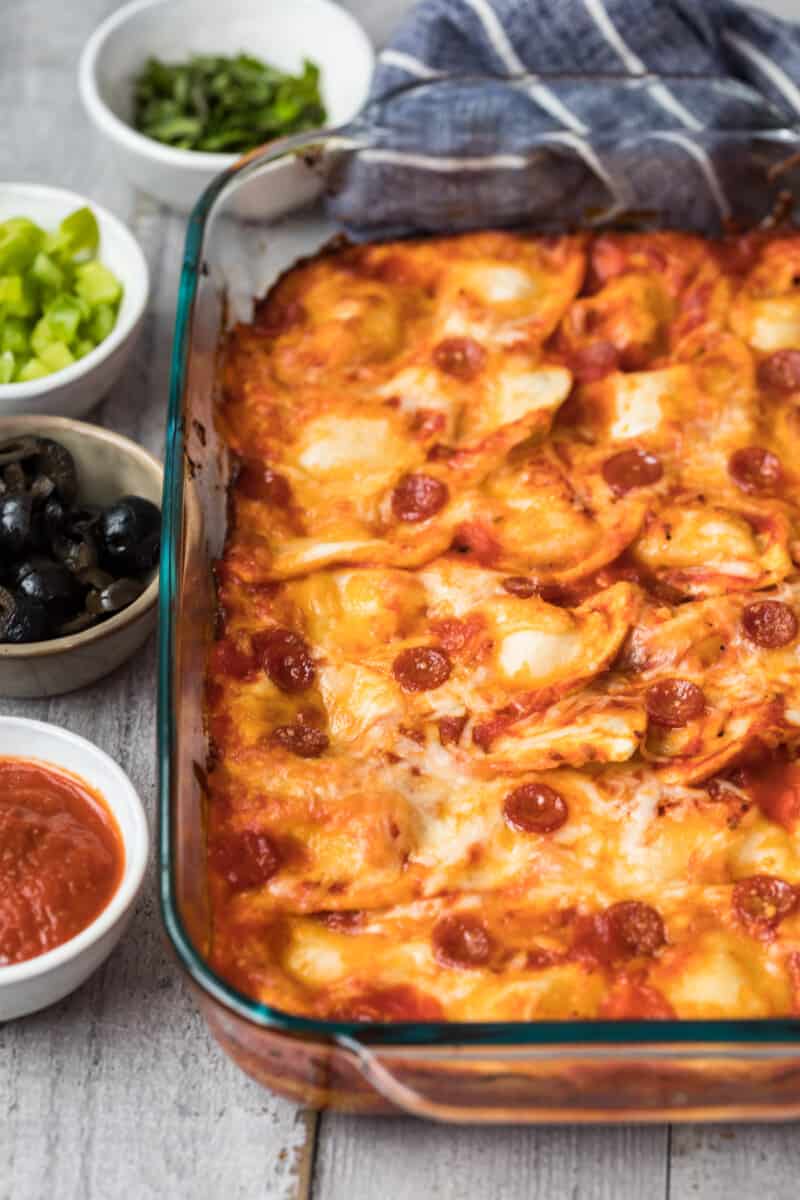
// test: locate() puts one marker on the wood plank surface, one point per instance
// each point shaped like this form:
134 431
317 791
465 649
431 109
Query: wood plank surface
119 1092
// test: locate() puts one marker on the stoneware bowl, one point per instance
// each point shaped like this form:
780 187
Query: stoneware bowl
28 986
280 32
109 466
78 387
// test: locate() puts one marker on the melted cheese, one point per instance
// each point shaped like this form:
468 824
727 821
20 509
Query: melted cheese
433 788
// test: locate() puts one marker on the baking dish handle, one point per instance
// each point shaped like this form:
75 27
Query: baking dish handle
579 1083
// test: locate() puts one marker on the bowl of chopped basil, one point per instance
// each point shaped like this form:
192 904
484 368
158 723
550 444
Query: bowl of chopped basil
182 88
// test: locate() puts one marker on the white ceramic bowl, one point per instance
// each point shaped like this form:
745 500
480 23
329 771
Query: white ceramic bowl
28 986
281 32
77 388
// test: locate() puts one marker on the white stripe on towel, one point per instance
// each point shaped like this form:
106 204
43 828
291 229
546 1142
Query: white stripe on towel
703 161
502 47
599 14
432 162
767 66
409 64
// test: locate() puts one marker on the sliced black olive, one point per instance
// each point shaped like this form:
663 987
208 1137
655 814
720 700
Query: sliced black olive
129 528
15 522
55 461
17 449
116 596
21 620
54 588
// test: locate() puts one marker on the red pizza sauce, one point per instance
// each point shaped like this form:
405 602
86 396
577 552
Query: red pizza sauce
61 858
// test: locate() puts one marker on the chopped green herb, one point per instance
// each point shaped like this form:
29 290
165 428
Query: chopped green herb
57 300
224 105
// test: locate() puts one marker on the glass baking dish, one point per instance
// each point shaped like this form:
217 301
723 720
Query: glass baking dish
251 224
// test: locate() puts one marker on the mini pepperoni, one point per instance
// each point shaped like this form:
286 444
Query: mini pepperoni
674 702
421 668
418 497
521 586
593 362
755 469
769 623
636 928
781 371
306 741
286 658
245 860
764 900
462 357
631 469
257 481
535 808
462 940
450 729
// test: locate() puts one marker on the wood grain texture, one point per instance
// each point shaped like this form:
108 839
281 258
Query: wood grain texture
119 1092
360 1159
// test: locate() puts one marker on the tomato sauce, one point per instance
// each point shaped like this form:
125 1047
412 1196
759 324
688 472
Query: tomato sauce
61 858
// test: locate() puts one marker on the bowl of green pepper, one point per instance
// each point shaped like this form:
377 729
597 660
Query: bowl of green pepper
180 89
73 290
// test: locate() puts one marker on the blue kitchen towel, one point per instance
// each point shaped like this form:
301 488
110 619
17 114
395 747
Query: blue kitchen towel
593 111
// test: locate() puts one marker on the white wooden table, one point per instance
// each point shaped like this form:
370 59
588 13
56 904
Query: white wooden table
119 1093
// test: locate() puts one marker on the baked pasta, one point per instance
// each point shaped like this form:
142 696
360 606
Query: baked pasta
505 697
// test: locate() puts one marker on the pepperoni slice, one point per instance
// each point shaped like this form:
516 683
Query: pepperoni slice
674 702
306 741
593 362
755 469
418 497
259 482
462 940
450 729
763 901
769 623
535 808
631 469
286 658
398 1003
636 928
245 860
461 357
781 371
421 668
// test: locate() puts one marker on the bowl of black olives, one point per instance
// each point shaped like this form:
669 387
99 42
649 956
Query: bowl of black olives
80 531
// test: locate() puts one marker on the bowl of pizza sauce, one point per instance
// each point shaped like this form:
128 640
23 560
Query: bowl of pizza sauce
73 850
